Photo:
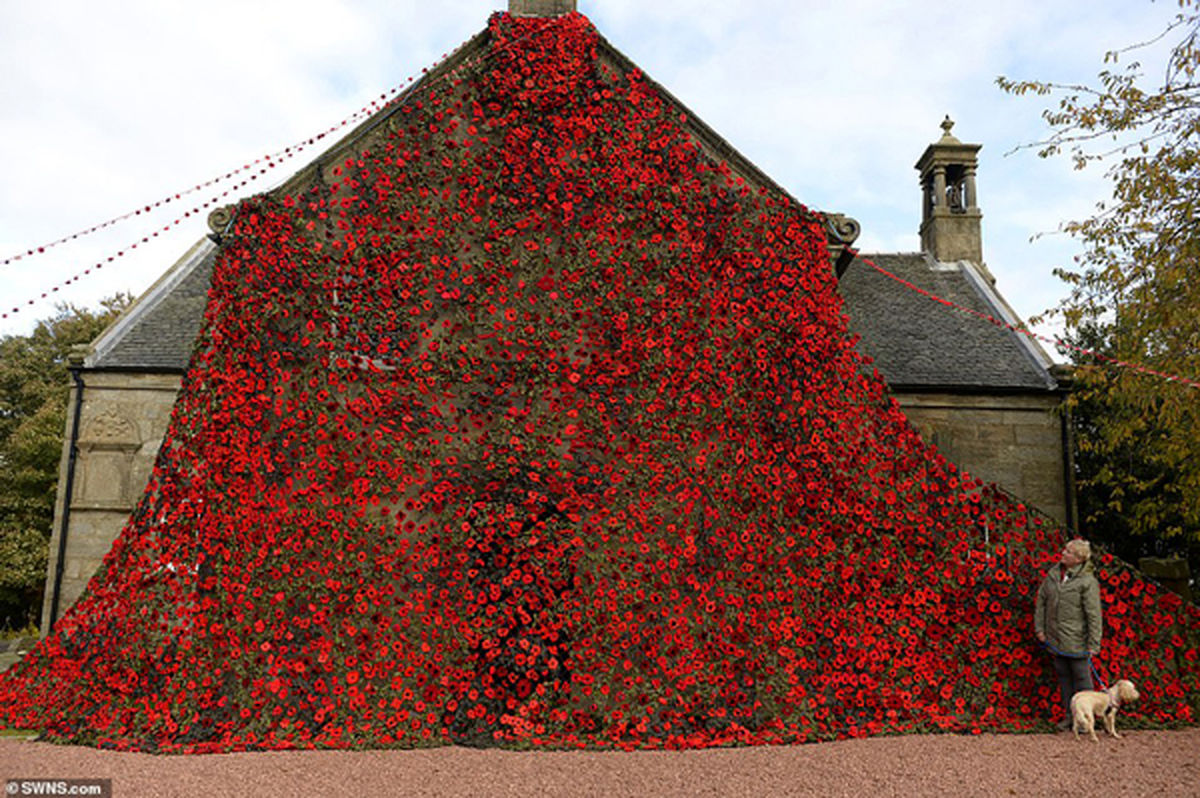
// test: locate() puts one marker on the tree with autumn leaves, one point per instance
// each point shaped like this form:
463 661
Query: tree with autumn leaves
1134 295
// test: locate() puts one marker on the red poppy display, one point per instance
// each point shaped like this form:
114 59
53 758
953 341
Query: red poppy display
534 424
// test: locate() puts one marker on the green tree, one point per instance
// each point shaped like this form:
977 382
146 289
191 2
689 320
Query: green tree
1134 293
34 388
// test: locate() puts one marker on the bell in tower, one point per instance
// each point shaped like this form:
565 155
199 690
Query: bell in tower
950 218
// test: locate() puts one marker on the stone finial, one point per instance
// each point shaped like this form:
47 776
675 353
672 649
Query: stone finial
540 8
948 137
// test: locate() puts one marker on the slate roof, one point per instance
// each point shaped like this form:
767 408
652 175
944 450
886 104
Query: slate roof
158 331
919 344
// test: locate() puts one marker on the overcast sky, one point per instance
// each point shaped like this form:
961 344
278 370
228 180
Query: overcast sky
109 106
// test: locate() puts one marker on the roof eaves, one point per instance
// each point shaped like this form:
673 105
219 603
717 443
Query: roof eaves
141 371
973 390
1001 310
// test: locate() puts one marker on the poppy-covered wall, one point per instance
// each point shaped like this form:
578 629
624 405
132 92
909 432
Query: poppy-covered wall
530 423
1013 440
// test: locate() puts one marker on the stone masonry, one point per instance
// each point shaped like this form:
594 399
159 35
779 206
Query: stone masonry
124 417
1007 440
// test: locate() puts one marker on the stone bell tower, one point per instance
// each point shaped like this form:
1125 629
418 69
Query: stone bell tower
950 217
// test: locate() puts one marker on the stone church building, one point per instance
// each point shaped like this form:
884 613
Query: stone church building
983 395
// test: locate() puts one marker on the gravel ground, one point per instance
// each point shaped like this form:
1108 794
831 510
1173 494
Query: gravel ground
1143 763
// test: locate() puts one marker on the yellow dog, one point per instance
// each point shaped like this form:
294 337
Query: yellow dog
1086 703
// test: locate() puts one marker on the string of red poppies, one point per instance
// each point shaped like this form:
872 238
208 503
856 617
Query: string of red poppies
385 99
283 155
143 240
1191 383
271 161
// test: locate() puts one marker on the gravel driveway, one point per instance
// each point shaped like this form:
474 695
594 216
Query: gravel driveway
1144 763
